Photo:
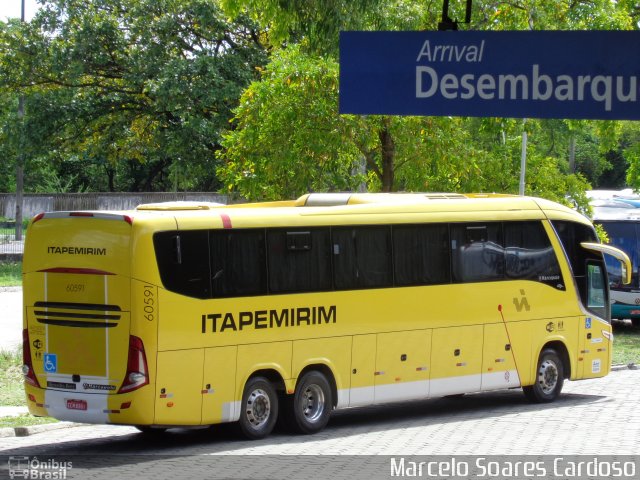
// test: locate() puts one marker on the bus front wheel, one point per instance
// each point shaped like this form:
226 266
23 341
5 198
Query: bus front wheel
259 409
549 378
312 402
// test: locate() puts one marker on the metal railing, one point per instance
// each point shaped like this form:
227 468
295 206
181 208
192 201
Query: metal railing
34 203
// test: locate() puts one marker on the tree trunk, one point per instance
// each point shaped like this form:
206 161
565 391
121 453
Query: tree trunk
388 152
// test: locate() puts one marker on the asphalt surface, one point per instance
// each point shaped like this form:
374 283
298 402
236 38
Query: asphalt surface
593 419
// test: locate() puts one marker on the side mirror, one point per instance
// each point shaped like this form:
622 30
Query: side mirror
623 258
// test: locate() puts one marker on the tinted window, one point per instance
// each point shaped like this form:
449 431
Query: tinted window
596 290
421 254
584 262
183 261
299 260
361 257
238 263
477 254
571 234
529 254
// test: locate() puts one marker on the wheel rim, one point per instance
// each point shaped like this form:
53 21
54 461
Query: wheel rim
258 408
312 403
548 376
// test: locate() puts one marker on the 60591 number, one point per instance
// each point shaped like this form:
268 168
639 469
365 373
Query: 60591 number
149 300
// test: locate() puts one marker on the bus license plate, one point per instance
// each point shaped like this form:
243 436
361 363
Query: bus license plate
76 404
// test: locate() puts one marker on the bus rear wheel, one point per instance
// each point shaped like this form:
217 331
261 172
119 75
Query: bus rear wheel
549 378
259 409
310 409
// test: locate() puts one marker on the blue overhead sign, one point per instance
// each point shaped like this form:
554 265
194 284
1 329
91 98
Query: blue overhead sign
537 74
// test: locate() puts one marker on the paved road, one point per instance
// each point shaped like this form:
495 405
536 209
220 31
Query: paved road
593 417
10 317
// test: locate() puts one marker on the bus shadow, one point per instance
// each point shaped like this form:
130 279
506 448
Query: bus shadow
136 448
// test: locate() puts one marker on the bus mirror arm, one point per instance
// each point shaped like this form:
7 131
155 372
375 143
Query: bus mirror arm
623 258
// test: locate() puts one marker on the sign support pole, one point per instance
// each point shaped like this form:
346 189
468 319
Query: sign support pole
523 157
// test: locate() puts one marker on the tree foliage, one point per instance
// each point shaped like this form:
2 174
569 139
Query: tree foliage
145 83
243 95
565 157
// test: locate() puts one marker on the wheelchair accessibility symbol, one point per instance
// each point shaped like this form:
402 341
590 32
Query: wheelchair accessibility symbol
50 362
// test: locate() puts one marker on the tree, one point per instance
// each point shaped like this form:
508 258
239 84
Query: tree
404 153
147 83
288 139
284 144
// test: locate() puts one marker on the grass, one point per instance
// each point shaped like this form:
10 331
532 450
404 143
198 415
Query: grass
626 344
11 380
24 420
12 391
10 274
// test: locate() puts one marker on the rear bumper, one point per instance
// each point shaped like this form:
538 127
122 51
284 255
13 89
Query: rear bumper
135 408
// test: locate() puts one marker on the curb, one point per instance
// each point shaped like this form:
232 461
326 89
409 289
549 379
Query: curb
34 429
630 366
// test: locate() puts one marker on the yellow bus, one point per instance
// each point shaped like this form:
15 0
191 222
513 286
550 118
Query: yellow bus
186 314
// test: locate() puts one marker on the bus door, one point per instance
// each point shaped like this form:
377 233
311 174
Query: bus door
595 331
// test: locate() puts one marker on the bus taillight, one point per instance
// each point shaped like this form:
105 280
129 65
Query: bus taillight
27 364
137 372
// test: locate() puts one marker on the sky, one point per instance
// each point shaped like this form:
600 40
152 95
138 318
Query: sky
11 9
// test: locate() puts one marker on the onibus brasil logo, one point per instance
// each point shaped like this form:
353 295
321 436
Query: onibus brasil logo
33 468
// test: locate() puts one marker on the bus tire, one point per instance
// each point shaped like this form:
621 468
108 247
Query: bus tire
259 409
549 378
635 322
312 403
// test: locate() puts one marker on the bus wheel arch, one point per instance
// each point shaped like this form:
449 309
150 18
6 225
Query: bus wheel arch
259 406
563 353
552 367
307 411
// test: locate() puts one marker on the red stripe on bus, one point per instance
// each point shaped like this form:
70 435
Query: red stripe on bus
226 221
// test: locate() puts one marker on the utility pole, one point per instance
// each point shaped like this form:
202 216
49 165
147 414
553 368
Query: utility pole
523 157
20 165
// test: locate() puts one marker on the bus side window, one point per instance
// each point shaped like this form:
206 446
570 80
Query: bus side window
477 254
362 257
421 254
238 263
183 261
299 260
529 254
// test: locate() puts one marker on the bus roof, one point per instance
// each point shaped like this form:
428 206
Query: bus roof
320 208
